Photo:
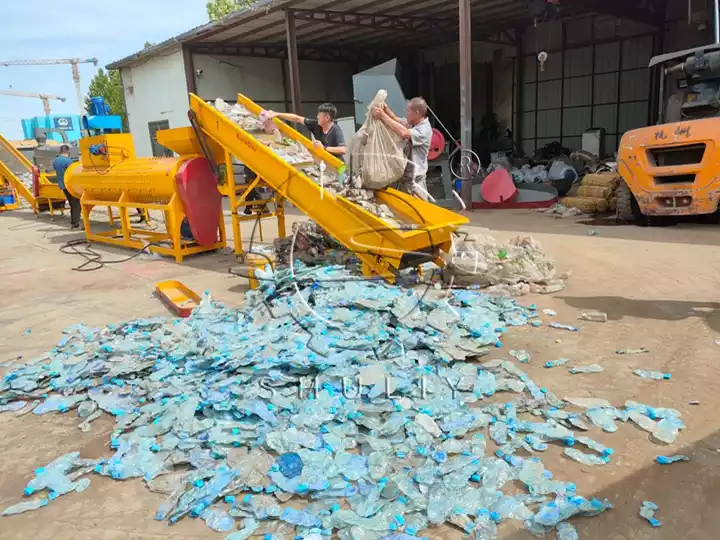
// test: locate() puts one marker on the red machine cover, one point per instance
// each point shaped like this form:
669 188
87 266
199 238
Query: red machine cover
437 145
197 187
498 187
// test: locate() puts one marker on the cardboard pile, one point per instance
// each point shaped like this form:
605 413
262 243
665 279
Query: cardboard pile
596 193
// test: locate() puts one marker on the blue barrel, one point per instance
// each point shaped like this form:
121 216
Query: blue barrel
98 106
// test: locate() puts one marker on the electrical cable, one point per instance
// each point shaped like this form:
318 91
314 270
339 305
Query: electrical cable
93 257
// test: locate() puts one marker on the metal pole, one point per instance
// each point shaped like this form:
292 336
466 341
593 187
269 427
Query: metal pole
466 99
46 105
293 64
519 87
78 89
717 21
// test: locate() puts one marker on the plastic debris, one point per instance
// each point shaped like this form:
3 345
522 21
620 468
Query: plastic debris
585 459
666 430
593 232
663 460
521 356
694 402
593 316
25 506
556 363
565 531
592 368
641 350
513 269
10 362
550 312
655 375
648 510
359 400
560 326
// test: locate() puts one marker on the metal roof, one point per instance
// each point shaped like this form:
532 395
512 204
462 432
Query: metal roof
378 24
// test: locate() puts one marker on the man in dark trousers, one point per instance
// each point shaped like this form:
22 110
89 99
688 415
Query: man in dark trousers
326 132
61 164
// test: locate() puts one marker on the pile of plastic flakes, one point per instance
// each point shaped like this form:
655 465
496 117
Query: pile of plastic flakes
296 154
323 406
516 268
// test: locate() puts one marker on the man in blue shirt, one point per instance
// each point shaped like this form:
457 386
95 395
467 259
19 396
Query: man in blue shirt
61 164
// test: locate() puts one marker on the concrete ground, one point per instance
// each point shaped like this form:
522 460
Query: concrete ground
659 287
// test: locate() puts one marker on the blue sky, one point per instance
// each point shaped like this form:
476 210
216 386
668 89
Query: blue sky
40 29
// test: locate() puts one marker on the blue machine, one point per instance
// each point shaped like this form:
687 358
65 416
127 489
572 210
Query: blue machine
101 122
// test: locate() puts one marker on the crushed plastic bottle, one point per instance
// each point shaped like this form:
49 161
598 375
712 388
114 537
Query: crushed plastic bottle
656 375
567 327
521 355
666 430
556 363
25 506
668 460
648 510
592 368
585 459
604 418
596 446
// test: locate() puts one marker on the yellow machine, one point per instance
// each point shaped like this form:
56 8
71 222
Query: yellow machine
109 175
672 169
45 194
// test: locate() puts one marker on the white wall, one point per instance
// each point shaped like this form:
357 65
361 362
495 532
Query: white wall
261 79
155 90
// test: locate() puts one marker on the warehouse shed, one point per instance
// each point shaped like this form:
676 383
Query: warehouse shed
474 61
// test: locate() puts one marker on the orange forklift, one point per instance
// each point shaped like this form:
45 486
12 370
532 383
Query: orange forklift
673 169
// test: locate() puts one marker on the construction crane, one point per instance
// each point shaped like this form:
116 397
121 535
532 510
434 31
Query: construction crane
75 71
44 97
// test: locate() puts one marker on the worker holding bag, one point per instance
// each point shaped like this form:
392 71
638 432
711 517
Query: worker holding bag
415 129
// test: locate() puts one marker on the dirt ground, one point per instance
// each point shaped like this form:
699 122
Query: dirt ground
659 287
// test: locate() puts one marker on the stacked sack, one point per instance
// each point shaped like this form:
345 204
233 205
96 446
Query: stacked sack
596 193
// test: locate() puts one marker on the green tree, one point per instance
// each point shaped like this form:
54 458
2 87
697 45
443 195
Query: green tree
219 9
149 44
107 84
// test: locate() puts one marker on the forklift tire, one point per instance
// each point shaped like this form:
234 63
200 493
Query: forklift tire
627 206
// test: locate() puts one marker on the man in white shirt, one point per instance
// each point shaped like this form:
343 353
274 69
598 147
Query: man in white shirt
415 129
